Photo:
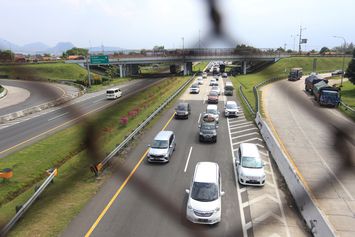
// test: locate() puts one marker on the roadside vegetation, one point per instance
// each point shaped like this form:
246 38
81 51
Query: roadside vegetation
75 184
348 97
199 66
280 70
1 88
51 71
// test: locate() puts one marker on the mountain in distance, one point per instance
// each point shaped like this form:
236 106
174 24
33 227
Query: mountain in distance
60 48
5 45
105 49
35 47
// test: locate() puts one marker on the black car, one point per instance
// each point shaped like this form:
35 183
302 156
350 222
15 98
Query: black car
183 110
208 129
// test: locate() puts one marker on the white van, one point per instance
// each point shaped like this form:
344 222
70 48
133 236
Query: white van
250 166
204 201
113 93
162 148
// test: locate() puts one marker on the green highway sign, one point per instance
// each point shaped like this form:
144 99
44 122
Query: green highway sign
98 59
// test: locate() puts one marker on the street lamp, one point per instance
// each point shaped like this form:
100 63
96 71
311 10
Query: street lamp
182 45
342 73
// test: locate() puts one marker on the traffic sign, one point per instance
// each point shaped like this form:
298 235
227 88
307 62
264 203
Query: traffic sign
98 59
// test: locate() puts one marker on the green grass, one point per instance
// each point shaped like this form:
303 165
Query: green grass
1 88
348 97
52 71
114 82
153 70
199 67
281 69
65 150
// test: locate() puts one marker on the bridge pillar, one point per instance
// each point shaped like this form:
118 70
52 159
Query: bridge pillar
244 67
121 70
187 68
134 69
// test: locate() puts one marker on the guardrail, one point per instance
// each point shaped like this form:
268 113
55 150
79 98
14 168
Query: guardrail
97 168
246 100
347 107
21 211
312 215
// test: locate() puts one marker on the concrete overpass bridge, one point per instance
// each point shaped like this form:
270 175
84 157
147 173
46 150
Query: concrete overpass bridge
128 63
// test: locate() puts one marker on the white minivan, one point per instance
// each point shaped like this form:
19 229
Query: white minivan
204 201
113 93
250 166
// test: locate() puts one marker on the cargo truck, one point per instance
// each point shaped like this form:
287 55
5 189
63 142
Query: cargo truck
326 95
311 80
295 74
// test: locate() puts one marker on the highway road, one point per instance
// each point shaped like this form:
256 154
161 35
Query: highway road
309 142
21 132
123 208
31 94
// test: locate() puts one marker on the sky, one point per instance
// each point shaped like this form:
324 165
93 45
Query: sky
138 24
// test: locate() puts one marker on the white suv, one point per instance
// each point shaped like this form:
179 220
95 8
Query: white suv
250 167
204 201
231 109
213 111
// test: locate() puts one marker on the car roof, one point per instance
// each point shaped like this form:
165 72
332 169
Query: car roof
204 172
163 135
113 89
211 106
250 150
183 104
229 102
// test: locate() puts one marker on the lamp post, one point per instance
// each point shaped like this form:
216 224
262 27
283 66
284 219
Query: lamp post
342 70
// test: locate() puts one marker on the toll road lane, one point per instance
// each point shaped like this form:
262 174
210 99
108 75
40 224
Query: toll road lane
24 131
133 213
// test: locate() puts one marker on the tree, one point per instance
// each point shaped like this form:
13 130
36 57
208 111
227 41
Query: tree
324 50
76 51
111 72
6 55
350 71
158 48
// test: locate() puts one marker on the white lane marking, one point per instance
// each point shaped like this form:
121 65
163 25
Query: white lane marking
199 118
61 115
237 121
241 124
188 159
260 145
241 210
245 130
245 135
97 101
248 140
260 198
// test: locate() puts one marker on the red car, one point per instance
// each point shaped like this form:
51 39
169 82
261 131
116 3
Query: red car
212 97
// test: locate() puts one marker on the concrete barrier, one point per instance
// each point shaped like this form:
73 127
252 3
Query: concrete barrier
312 215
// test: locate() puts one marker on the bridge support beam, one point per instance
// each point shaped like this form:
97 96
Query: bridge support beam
121 70
134 69
187 68
244 67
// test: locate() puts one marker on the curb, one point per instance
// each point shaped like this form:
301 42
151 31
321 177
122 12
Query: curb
38 108
3 93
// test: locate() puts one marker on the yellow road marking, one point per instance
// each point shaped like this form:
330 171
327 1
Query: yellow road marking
283 146
102 214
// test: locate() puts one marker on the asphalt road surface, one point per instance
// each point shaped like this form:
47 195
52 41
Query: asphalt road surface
157 208
309 142
24 131
39 93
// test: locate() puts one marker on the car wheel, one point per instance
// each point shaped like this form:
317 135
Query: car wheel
215 140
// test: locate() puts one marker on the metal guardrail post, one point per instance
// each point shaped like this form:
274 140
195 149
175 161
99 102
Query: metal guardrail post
24 207
97 168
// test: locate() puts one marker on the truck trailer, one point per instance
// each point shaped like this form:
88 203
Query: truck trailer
311 80
326 95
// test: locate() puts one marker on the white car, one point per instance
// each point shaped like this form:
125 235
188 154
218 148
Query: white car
195 89
216 89
231 109
213 111
204 75
204 202
213 82
250 167
200 80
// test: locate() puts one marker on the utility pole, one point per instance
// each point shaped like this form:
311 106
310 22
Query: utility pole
199 39
342 70
300 39
88 69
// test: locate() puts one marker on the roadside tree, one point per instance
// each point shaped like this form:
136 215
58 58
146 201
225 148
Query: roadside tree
350 71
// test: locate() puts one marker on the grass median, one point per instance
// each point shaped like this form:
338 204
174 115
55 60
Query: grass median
348 97
280 69
75 184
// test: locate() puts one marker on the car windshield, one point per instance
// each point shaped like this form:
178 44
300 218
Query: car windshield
213 93
204 192
181 107
231 106
207 126
194 86
251 162
160 144
214 87
110 92
211 111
